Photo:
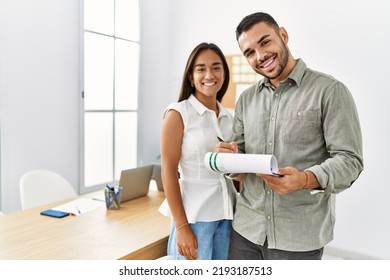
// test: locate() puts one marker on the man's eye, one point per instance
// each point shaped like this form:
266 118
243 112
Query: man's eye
264 43
249 54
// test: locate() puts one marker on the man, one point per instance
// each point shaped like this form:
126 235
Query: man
309 121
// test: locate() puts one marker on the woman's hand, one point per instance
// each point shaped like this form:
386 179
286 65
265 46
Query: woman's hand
187 244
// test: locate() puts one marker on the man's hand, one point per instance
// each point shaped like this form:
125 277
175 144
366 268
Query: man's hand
292 180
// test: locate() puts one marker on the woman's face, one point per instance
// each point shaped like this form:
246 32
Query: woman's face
208 74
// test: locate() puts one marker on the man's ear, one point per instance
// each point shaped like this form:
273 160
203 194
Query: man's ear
283 34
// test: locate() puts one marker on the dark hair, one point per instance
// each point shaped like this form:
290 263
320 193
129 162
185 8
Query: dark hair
186 89
252 19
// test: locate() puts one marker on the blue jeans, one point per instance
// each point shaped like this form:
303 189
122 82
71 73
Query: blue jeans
213 240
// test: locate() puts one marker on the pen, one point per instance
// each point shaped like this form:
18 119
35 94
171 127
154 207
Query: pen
78 210
108 187
277 175
220 139
98 199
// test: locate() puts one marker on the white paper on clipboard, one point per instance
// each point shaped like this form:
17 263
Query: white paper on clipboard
241 163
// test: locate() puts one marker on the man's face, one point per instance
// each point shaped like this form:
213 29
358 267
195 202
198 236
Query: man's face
266 50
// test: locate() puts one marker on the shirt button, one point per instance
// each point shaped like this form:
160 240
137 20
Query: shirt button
270 143
276 94
269 217
299 114
272 119
268 192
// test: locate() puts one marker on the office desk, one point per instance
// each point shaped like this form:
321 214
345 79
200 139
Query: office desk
135 231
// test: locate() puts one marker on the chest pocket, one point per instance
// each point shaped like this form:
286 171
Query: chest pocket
302 127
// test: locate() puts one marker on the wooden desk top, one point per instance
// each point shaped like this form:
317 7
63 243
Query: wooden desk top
135 231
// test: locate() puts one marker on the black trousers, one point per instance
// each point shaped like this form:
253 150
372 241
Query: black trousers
242 249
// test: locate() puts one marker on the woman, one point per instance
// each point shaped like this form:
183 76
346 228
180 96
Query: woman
201 202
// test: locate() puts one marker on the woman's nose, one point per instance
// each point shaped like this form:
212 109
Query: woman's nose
209 74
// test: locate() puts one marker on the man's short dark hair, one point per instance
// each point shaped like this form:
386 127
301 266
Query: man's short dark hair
252 19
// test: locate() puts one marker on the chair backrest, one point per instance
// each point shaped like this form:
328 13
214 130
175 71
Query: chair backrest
40 187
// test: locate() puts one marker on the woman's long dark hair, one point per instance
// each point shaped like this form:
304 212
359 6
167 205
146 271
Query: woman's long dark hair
186 89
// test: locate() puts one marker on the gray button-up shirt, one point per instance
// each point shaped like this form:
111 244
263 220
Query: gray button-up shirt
309 122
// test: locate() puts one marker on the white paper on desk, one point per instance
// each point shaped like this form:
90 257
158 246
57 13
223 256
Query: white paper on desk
79 206
241 163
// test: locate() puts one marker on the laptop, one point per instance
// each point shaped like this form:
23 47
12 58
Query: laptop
135 182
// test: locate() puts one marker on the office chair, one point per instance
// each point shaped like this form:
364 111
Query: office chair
40 187
157 177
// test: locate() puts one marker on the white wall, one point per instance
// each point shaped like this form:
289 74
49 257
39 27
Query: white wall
39 86
39 57
155 81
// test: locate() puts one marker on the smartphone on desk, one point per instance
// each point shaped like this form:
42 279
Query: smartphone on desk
54 213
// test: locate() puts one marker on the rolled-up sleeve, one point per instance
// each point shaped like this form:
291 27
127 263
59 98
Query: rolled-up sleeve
343 137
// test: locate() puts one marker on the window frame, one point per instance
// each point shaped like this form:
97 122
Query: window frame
82 111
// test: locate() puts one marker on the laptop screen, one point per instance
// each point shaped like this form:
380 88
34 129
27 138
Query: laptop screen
135 182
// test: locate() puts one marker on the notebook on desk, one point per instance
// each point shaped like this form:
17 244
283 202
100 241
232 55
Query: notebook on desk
135 182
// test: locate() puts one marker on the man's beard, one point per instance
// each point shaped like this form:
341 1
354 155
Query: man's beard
281 65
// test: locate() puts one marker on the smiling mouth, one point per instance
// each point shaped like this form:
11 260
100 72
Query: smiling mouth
266 63
209 84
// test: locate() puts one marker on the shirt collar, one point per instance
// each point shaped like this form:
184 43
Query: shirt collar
296 75
298 72
200 108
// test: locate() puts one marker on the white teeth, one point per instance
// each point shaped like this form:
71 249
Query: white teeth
268 64
209 84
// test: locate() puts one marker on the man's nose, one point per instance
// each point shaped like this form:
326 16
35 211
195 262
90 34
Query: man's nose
261 55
